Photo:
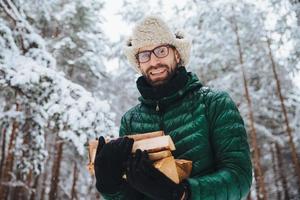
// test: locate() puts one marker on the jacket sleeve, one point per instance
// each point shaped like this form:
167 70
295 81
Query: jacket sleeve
126 192
233 169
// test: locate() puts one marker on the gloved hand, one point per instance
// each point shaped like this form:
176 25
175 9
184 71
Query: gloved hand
110 163
145 178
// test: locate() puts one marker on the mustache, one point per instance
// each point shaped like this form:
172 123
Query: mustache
157 66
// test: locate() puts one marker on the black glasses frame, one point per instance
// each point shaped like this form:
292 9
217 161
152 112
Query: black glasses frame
153 51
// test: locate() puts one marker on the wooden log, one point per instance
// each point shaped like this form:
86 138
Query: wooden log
184 168
159 147
151 145
168 167
155 144
159 155
142 136
92 146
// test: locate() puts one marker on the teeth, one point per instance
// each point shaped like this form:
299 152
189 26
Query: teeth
157 71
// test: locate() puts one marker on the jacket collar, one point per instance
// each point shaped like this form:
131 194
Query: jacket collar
159 98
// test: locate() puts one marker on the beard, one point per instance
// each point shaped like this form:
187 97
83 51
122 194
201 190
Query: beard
156 81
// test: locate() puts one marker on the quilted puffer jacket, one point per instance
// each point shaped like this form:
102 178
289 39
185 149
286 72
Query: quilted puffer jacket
206 127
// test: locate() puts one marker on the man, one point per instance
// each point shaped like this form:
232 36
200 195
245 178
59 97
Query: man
205 126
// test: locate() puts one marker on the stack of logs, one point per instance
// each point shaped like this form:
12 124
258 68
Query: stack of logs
159 147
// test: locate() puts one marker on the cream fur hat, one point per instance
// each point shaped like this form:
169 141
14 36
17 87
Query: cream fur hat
152 30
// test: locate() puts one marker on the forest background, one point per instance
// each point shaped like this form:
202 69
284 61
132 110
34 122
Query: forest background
64 79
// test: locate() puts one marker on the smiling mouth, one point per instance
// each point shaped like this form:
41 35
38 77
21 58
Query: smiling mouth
157 71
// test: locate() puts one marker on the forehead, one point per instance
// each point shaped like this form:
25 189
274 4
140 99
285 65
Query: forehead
149 47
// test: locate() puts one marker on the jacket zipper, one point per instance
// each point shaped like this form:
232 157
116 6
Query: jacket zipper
157 109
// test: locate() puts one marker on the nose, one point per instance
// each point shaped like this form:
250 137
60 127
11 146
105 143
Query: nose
154 60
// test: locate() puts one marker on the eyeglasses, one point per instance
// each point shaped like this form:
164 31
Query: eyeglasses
160 52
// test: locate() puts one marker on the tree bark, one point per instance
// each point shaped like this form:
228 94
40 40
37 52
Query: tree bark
19 192
258 172
275 171
44 180
75 177
56 170
281 170
295 158
35 187
9 163
3 145
23 192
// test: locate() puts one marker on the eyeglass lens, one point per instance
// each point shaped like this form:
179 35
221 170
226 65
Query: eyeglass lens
160 52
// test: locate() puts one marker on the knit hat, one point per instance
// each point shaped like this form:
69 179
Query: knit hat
152 30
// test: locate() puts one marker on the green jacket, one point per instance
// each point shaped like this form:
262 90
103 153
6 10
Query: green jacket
206 127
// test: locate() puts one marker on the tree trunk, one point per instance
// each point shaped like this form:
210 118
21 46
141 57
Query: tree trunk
22 192
55 170
44 180
75 177
258 172
19 192
9 163
3 145
275 171
35 187
281 170
295 158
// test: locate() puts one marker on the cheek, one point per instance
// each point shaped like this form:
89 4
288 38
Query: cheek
143 68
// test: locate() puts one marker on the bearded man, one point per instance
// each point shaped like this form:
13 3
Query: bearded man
204 124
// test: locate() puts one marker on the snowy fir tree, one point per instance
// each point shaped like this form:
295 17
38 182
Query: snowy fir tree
43 110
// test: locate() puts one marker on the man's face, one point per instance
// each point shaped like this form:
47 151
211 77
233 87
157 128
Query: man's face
157 70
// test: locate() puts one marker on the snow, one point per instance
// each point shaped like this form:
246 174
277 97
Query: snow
77 109
79 36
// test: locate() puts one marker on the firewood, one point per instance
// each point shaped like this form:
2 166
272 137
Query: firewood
92 154
159 147
155 144
142 136
168 167
184 168
159 155
92 147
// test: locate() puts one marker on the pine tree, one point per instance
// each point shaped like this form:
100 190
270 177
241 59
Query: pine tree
48 103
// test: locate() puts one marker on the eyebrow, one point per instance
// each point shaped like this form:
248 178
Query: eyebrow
153 48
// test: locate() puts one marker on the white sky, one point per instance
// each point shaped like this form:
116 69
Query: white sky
114 25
